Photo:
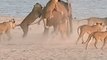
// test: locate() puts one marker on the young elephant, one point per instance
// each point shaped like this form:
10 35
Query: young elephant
5 27
88 29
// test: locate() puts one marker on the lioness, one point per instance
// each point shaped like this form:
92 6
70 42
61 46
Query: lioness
34 14
88 29
5 27
97 36
93 20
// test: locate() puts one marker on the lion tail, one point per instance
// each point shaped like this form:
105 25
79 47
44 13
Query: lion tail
18 25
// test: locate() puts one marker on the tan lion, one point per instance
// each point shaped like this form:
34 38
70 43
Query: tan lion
97 36
88 29
30 18
5 27
94 20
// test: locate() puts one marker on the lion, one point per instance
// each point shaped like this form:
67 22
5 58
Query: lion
93 20
6 27
31 17
88 29
99 35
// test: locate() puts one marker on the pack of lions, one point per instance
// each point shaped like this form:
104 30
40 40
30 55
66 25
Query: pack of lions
57 12
94 31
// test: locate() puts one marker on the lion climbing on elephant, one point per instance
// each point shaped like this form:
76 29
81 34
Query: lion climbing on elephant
53 14
30 18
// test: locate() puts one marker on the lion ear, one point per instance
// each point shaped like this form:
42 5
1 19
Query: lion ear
97 23
13 20
37 3
101 24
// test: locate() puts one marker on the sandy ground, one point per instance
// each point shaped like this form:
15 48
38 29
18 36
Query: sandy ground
37 47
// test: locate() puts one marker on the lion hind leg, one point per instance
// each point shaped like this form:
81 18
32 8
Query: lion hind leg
25 30
104 43
95 44
8 35
87 42
80 36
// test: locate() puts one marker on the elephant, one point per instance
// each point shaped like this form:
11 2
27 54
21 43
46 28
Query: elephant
60 22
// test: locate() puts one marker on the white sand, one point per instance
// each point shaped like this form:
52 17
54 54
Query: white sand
37 47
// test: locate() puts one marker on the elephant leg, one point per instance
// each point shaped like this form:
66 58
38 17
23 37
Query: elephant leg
25 30
46 28
55 31
68 28
70 22
56 27
65 30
